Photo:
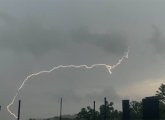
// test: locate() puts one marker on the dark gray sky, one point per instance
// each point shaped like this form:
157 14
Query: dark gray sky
37 35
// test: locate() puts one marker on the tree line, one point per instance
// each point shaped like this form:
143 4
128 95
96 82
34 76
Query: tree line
89 113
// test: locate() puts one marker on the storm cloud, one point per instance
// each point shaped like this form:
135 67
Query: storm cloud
31 35
37 35
158 40
114 43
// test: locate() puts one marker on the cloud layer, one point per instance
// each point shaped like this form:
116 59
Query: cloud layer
158 40
38 35
38 39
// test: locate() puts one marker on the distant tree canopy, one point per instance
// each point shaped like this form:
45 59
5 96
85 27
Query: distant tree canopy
88 113
160 93
136 110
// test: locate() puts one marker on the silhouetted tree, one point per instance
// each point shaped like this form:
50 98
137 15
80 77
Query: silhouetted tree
87 114
109 110
136 110
162 110
160 93
83 114
111 113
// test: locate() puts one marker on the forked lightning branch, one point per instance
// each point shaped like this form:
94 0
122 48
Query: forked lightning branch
108 67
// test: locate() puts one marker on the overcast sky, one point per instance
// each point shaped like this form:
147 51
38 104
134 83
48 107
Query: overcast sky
37 35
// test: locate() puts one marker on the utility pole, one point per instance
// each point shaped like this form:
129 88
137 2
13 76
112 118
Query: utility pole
19 108
61 109
105 108
94 111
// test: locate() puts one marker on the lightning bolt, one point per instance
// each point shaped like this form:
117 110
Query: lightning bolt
108 67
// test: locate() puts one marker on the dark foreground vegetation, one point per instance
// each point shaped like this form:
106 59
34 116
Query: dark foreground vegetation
135 108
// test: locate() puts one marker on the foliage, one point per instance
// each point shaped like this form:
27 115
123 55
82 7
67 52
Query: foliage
111 113
160 93
162 110
88 113
136 110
